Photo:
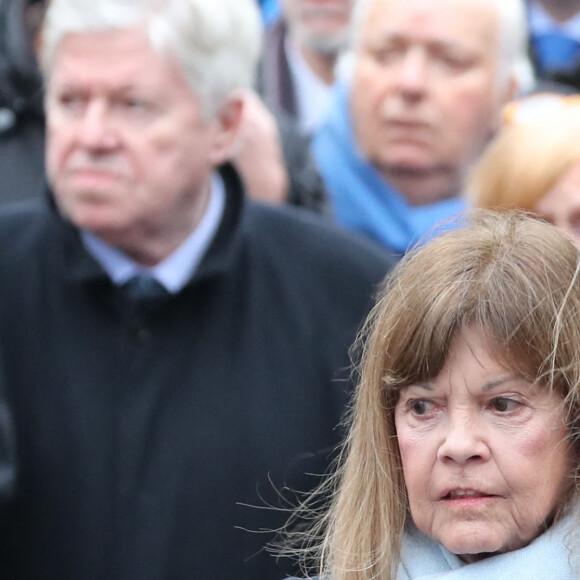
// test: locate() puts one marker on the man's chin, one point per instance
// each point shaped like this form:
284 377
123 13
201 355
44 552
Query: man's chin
325 40
419 167
93 217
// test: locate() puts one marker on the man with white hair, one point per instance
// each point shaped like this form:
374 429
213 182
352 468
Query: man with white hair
170 346
301 51
425 94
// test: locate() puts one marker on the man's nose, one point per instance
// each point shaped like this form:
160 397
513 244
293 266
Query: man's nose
96 131
412 74
463 442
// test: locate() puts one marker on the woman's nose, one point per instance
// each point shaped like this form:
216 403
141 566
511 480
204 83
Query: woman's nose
463 441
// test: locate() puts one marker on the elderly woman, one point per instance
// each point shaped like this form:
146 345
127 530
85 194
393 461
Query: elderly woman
533 164
462 452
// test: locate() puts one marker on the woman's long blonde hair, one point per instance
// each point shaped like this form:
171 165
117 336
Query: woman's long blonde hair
510 275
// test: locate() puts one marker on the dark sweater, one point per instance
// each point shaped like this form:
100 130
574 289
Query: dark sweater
144 432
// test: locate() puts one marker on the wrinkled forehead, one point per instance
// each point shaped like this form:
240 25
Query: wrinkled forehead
450 21
316 6
113 63
123 50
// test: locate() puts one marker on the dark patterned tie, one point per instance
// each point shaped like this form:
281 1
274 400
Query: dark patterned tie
145 288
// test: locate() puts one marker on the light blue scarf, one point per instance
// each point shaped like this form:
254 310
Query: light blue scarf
551 556
546 558
362 200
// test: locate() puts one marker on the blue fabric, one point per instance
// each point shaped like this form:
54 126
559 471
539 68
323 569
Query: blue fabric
551 556
556 52
362 200
547 557
270 10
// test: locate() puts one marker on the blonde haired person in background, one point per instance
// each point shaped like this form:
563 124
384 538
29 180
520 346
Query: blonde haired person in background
534 162
462 454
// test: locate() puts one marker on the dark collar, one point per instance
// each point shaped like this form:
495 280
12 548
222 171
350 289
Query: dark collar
219 258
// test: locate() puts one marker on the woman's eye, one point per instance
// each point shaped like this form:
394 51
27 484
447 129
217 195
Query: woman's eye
503 404
420 406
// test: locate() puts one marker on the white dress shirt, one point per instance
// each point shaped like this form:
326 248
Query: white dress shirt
312 94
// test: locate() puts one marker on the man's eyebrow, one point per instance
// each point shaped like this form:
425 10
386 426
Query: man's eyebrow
382 36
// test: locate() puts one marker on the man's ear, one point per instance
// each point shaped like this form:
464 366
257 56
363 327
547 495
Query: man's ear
511 91
227 124
506 94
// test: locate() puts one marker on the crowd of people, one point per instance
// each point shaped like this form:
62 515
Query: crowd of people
206 206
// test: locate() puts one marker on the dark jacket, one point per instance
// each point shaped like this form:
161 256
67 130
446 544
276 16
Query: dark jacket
275 83
146 433
8 463
276 87
306 187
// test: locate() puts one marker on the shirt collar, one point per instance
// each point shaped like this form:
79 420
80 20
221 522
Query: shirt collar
312 94
179 267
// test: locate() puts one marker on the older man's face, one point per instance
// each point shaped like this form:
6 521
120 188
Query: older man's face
322 25
128 152
425 95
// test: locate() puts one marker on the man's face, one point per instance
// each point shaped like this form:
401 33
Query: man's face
425 95
129 153
321 25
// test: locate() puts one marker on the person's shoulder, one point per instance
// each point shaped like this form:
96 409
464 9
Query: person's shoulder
304 235
23 222
17 214
304 227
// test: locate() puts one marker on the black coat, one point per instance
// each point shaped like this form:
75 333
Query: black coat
145 433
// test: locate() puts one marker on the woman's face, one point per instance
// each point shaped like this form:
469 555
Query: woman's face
485 454
561 205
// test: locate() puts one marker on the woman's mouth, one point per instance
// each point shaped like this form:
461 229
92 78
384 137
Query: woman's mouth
461 493
466 497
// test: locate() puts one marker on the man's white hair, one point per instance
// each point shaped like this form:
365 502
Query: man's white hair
216 43
514 62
